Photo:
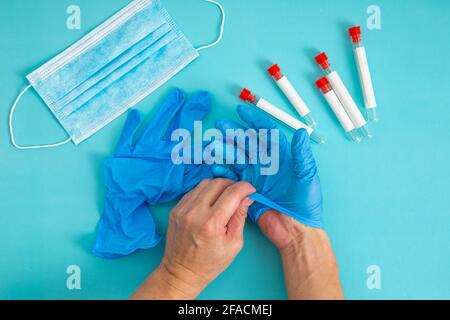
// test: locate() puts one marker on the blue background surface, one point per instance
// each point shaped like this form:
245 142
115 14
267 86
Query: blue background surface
386 201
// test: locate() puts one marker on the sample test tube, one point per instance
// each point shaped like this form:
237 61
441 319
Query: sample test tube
338 109
289 91
279 114
344 96
364 73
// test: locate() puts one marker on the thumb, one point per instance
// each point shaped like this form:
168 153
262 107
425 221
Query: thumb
235 226
305 167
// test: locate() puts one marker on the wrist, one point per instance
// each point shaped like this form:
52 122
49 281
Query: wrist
299 237
309 248
310 266
180 281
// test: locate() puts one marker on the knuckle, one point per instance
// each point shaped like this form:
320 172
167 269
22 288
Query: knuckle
181 218
176 217
184 200
189 218
202 202
209 229
239 188
174 213
222 182
233 191
204 183
244 186
219 211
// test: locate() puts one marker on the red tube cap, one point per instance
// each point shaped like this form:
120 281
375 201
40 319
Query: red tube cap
322 84
247 95
275 72
355 34
322 60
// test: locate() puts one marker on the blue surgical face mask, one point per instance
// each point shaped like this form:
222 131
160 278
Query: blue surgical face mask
111 69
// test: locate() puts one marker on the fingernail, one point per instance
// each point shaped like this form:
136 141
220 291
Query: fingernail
252 187
247 202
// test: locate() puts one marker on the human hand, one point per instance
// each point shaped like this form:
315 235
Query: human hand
310 267
204 236
295 186
282 230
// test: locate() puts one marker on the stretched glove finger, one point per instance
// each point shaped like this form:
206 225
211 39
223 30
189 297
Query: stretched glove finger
305 167
125 145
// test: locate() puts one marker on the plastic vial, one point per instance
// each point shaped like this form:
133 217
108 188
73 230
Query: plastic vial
246 95
364 73
344 96
294 98
338 109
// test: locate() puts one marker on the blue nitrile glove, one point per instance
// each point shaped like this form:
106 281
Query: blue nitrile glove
296 186
142 174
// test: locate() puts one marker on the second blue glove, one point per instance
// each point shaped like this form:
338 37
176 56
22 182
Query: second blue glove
295 187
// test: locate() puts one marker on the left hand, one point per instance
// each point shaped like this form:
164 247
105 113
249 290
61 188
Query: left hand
204 236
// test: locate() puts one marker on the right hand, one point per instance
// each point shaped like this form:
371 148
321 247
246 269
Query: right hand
296 186
282 230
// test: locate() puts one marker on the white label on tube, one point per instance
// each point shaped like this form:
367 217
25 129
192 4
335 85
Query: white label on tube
365 78
293 96
339 111
346 99
282 116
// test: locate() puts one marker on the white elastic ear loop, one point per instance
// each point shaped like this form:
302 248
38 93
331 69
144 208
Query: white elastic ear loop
222 27
11 130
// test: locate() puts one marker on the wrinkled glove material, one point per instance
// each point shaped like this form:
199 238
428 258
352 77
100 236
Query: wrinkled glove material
142 174
295 189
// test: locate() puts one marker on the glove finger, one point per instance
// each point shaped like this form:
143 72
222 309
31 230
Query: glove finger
196 108
238 152
166 112
126 225
218 152
125 145
256 211
224 125
257 120
305 167
220 171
